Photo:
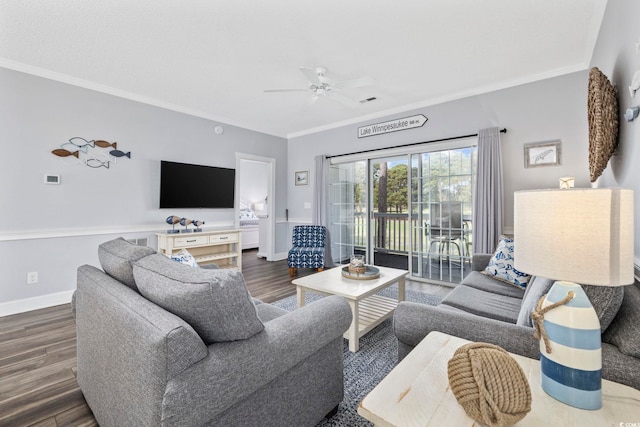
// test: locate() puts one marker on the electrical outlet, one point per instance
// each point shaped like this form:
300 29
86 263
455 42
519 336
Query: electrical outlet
32 277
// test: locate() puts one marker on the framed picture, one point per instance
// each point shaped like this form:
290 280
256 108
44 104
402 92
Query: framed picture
546 153
302 178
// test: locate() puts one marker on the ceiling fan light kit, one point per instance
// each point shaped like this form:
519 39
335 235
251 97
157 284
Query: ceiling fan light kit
321 85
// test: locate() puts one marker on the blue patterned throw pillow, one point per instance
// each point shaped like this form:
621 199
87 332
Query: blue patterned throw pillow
500 266
184 257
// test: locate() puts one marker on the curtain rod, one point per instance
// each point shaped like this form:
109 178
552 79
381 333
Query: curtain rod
504 130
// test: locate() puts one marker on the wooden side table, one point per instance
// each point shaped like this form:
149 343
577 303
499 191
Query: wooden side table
416 393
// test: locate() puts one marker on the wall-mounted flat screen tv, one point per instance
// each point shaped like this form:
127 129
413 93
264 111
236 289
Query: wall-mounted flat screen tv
183 185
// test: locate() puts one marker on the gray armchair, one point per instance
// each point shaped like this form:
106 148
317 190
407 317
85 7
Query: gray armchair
141 364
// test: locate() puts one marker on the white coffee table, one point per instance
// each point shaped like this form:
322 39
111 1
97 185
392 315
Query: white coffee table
416 393
368 309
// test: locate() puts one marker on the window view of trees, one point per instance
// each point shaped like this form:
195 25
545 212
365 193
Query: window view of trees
445 176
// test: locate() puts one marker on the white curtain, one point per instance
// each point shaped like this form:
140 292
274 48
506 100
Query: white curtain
320 202
488 197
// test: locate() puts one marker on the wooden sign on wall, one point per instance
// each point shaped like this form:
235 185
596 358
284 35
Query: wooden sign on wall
392 126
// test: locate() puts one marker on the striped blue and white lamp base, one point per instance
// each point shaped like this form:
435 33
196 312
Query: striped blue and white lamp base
571 373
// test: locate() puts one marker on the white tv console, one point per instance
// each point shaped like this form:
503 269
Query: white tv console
222 247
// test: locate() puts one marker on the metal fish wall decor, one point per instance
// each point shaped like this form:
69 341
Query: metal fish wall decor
95 153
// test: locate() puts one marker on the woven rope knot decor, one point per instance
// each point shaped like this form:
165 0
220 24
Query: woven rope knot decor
489 384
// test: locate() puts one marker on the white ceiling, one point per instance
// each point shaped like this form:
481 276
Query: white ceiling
214 58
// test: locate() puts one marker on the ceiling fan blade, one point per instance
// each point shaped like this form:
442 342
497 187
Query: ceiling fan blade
360 82
311 75
343 100
286 90
312 99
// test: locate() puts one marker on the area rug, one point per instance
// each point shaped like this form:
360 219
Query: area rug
363 370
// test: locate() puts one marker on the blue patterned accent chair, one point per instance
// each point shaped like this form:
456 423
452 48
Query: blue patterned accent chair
308 248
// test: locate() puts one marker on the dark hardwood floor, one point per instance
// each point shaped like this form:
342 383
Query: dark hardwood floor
38 352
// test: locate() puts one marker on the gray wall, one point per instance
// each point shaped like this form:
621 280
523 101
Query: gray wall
253 182
541 111
615 55
93 205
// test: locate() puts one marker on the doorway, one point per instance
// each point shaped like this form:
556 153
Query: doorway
255 197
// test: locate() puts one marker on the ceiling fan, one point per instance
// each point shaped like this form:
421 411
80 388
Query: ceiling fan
321 85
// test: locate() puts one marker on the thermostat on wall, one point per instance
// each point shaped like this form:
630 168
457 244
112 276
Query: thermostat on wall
52 179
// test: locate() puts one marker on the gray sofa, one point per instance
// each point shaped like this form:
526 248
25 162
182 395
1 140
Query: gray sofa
483 309
226 360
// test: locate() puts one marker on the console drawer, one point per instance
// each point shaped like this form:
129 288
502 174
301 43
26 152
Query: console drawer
187 241
223 238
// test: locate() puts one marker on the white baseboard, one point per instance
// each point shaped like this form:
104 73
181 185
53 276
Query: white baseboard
35 303
280 256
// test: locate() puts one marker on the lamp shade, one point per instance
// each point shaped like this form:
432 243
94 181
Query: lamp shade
582 235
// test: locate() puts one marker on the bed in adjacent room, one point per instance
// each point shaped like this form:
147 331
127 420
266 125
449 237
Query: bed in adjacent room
249 224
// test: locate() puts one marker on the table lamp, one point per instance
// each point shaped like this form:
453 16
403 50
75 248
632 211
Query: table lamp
580 235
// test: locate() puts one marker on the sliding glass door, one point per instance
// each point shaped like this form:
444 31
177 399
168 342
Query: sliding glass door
390 211
441 213
348 213
411 211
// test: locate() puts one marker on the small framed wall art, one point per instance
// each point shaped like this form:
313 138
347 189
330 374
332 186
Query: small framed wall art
302 178
546 153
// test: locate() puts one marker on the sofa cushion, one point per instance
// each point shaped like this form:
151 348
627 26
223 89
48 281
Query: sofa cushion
623 331
216 303
486 283
606 300
538 286
116 258
485 304
501 266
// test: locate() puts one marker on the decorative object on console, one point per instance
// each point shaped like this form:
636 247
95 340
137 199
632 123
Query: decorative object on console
489 384
185 223
547 153
583 236
567 182
198 225
173 220
602 109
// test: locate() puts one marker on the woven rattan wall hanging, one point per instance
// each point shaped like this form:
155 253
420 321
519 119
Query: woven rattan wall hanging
602 107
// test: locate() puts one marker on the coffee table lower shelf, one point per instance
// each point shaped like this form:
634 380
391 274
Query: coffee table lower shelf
372 311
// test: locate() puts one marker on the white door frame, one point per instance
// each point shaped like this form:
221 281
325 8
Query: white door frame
271 167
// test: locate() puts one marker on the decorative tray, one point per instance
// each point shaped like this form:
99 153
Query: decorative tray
370 273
